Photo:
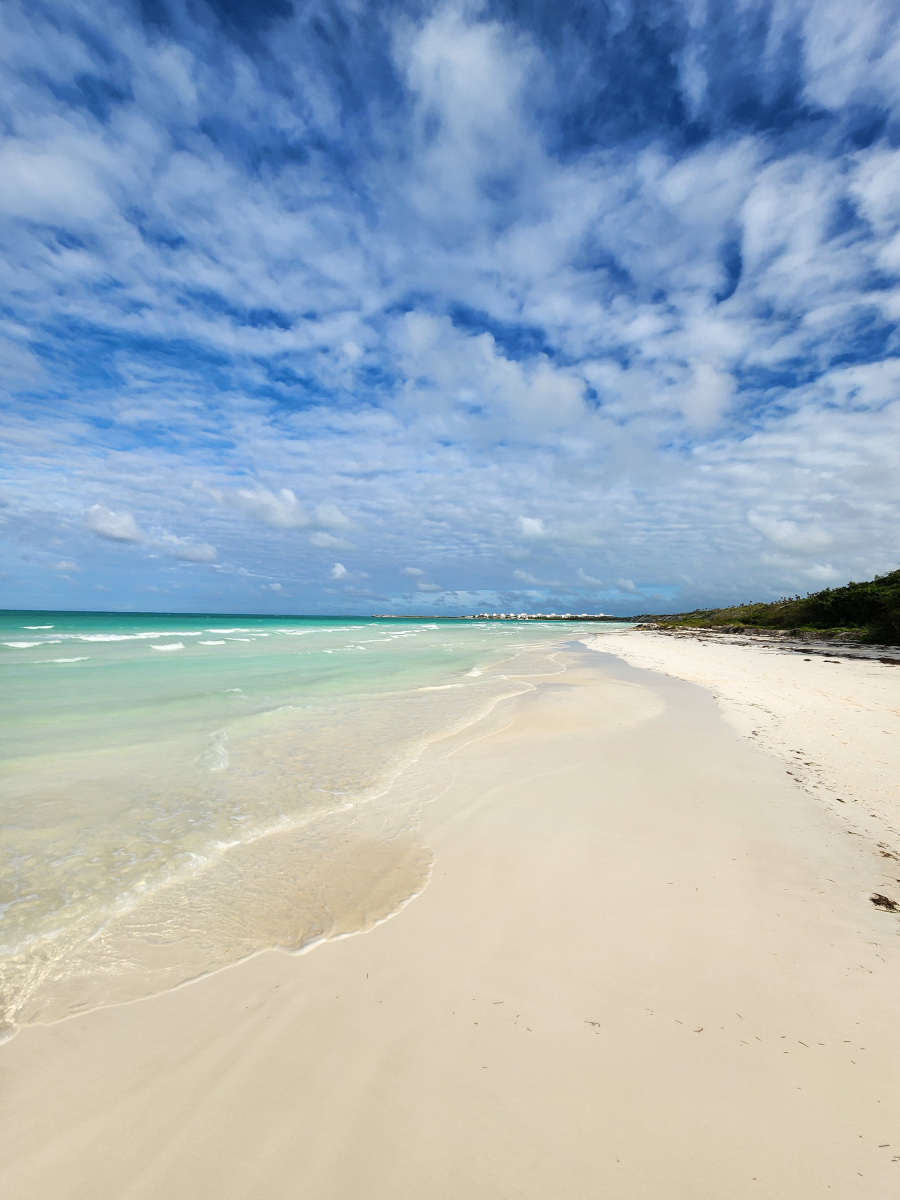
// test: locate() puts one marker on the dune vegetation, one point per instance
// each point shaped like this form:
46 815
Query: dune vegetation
868 611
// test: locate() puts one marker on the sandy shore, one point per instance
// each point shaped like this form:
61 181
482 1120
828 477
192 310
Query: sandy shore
834 721
646 966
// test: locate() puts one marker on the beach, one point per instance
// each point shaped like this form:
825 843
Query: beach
645 964
832 718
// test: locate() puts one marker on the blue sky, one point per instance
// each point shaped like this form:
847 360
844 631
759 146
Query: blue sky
354 307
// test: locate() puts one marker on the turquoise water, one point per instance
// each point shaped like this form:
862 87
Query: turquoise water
150 764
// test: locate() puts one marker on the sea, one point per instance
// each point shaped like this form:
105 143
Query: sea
178 792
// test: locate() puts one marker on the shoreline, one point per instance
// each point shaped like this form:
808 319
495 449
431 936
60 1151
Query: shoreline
236 896
632 912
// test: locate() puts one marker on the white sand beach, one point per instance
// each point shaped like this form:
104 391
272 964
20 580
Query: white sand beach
646 967
833 720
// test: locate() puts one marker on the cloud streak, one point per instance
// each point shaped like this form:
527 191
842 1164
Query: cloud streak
437 284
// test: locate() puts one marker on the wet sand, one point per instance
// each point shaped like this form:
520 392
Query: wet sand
646 966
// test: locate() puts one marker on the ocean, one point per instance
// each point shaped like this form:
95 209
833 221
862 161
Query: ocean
178 792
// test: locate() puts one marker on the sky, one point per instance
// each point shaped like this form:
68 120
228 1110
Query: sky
354 307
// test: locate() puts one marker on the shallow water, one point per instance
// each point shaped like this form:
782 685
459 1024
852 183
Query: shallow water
180 791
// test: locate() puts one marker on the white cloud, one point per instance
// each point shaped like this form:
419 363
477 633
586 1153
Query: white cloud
114 526
327 541
329 516
422 585
707 395
282 510
852 53
532 527
467 383
187 551
822 573
527 577
792 536
66 565
198 552
583 578
467 77
52 185
338 571
493 309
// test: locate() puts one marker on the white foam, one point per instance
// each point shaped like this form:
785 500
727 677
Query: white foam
182 812
240 639
218 753
304 632
136 637
82 658
23 645
104 637
37 626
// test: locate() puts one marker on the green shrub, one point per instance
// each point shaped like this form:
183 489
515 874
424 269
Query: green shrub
871 608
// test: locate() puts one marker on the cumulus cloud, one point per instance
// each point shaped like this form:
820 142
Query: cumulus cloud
792 536
282 509
643 279
114 526
822 573
532 527
338 571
